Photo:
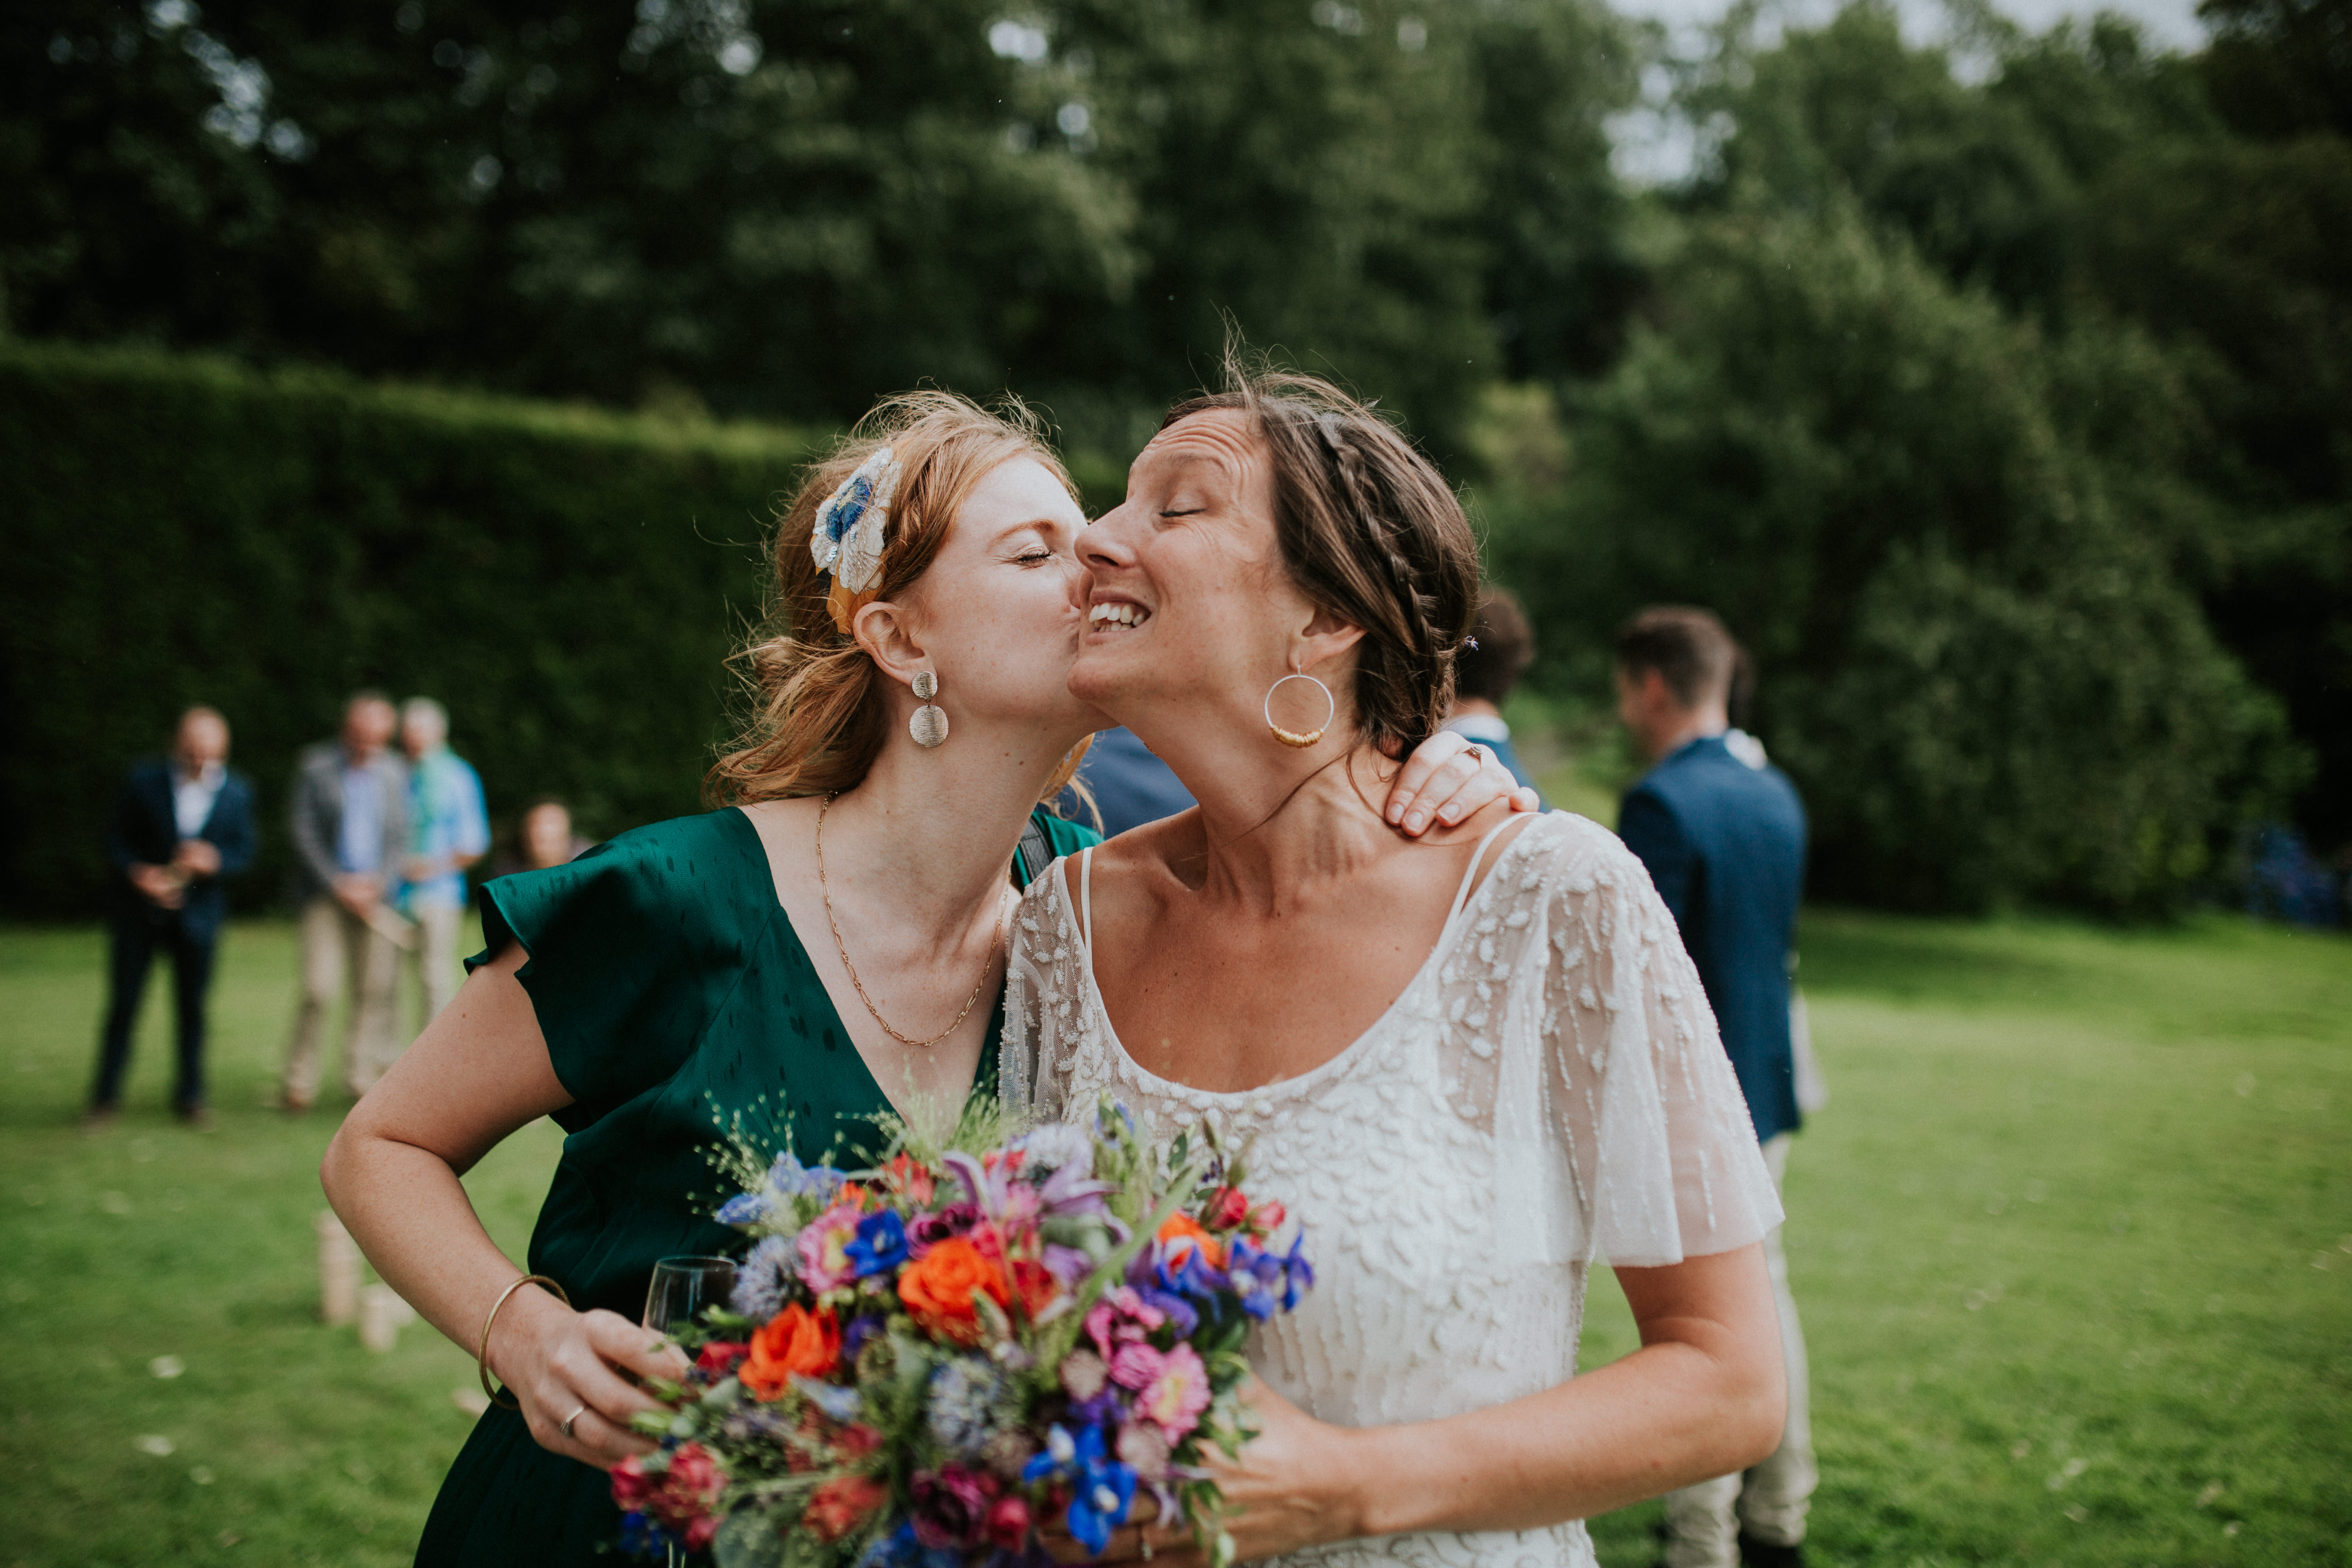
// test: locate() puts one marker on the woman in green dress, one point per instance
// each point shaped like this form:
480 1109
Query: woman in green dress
831 943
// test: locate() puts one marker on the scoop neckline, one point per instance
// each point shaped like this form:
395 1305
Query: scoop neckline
1327 1069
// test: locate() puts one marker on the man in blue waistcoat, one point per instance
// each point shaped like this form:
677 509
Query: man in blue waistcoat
181 826
1723 836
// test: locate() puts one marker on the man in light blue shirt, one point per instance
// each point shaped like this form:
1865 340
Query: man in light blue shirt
449 831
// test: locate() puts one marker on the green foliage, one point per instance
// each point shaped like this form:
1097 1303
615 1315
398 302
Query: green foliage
569 582
789 206
1946 538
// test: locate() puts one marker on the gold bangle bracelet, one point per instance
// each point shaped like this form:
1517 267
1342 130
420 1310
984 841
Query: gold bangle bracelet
482 1356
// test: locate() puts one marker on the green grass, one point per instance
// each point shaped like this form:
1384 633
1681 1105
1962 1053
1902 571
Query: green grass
2074 1241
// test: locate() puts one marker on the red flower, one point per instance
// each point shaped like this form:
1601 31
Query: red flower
720 1356
1008 1523
1227 1208
911 1178
841 1505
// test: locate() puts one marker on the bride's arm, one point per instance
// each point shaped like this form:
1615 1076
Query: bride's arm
1704 1396
479 1071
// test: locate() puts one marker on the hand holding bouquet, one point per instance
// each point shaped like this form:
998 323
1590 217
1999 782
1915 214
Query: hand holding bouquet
928 1364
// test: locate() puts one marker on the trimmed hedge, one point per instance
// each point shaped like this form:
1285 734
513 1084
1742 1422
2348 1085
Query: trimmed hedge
185 530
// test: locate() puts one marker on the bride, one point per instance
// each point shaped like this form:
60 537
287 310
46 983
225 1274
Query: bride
1471 1069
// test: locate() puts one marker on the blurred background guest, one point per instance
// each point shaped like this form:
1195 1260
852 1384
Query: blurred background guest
1723 839
1501 647
544 837
448 830
351 831
181 826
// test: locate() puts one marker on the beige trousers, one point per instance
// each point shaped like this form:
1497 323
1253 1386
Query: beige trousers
339 949
438 972
1703 1521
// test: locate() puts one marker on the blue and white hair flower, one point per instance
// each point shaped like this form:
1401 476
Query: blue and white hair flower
847 540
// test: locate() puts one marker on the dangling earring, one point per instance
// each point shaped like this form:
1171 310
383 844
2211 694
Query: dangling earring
1291 737
929 725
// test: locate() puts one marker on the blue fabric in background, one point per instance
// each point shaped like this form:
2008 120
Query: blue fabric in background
1725 843
1130 785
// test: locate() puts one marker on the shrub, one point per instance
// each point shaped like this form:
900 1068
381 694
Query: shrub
182 530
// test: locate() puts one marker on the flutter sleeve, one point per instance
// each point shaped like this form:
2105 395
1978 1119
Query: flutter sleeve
1659 1143
631 950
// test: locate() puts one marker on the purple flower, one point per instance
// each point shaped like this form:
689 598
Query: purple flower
764 1282
857 1332
950 1505
930 1229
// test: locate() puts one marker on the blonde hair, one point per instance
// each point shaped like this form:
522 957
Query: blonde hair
819 707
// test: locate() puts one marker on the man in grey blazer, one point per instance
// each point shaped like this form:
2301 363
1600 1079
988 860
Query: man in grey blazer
351 828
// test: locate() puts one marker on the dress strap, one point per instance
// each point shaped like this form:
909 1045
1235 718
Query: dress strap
1470 877
1087 903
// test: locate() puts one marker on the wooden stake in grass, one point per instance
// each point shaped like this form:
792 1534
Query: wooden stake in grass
339 1271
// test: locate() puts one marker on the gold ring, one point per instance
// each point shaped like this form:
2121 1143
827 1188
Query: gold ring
1477 754
566 1422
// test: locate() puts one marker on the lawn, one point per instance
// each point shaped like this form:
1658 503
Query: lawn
2074 1241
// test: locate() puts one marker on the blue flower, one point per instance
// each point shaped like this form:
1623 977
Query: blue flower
745 1209
1267 1282
880 1244
855 1334
1102 1489
793 1179
641 1537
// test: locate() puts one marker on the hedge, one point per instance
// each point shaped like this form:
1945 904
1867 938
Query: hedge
181 530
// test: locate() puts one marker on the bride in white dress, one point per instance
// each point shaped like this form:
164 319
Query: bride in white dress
1471 1070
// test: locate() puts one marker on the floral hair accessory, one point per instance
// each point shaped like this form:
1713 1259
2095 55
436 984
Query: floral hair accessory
848 539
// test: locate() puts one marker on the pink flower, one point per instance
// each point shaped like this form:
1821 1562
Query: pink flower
1174 1399
822 1245
1121 1316
1136 1365
1083 1374
1143 1449
1008 1523
951 1505
683 1495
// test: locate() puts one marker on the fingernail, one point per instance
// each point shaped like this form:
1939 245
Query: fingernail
1413 823
1396 813
1450 812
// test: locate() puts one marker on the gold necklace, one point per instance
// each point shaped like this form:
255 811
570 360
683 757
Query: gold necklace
826 892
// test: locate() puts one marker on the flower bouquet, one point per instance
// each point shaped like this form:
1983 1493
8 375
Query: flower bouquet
927 1363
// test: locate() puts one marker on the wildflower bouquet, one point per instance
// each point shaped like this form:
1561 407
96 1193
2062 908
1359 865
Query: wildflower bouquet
928 1363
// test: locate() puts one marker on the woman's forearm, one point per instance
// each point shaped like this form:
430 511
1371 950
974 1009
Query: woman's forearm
1705 1397
410 1214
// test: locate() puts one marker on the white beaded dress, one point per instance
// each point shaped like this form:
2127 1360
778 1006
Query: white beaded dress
1548 1092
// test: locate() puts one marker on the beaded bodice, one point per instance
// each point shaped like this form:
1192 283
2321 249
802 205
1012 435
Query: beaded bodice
1548 1090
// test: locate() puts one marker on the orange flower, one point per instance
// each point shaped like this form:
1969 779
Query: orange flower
842 1505
1182 1230
938 1287
794 1342
911 1178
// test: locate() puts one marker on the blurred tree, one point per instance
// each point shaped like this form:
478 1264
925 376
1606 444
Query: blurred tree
793 205
2085 182
1944 535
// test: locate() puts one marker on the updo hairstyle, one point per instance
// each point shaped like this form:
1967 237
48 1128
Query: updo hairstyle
820 708
1371 534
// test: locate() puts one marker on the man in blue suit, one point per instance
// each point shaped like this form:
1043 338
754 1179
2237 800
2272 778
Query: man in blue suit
1723 839
181 826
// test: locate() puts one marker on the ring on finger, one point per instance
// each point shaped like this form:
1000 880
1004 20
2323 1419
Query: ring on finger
565 1424
1477 755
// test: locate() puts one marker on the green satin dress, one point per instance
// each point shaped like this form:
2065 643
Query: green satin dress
673 992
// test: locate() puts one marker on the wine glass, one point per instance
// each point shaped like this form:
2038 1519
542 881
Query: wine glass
683 1287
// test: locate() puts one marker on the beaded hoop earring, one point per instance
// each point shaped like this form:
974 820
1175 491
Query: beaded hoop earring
1292 737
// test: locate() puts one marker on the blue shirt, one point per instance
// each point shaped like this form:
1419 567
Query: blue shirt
358 846
445 816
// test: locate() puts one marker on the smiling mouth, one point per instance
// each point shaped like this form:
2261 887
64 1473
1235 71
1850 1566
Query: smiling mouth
1117 615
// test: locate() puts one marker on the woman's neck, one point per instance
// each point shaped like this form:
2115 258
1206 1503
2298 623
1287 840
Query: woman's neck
1273 819
930 831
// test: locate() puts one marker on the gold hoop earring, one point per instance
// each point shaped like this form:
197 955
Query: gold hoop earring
1292 737
929 724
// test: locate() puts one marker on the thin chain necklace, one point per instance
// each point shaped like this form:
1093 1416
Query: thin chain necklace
827 894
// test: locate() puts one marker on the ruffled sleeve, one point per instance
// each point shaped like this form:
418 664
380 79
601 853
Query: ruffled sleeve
1661 1150
632 948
